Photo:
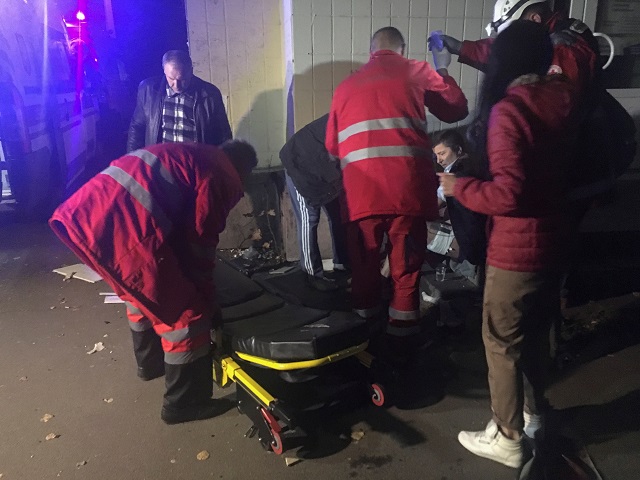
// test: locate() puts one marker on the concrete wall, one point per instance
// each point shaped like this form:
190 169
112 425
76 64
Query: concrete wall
238 46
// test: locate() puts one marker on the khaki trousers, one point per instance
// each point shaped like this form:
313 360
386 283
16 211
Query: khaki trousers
518 311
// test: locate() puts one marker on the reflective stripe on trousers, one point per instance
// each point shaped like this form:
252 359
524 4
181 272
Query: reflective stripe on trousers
137 321
182 343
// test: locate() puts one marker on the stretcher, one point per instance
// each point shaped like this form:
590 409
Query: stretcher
287 359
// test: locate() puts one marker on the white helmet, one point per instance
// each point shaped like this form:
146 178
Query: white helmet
506 11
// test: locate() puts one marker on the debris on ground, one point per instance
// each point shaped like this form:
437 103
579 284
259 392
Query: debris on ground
80 464
107 400
46 417
51 436
79 271
291 460
173 460
98 347
23 379
357 435
203 455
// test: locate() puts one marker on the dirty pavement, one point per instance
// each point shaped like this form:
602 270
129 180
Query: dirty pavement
72 406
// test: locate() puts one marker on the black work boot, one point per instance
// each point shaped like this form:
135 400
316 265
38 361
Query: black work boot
147 347
188 395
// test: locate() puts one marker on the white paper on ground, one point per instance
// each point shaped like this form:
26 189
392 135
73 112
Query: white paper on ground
112 299
79 271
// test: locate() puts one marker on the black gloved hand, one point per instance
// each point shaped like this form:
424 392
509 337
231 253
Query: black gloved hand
451 44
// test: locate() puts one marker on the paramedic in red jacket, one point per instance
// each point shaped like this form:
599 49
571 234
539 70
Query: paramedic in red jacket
149 225
528 140
573 55
377 129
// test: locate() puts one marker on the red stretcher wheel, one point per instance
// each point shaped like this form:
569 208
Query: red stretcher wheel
276 443
377 394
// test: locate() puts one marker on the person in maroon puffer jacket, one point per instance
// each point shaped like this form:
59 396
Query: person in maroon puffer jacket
525 123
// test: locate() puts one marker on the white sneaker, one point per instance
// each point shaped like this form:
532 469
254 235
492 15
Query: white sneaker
492 444
532 424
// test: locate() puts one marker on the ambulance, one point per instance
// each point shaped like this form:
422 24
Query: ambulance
47 118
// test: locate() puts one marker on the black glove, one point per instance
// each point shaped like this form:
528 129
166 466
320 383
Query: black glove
451 44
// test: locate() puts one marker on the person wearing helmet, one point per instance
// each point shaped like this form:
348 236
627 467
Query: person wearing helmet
528 129
574 47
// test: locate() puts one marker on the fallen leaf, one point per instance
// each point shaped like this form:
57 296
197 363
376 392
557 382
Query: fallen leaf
46 417
108 400
98 347
256 235
203 455
23 379
266 245
63 300
291 460
51 436
271 213
79 464
173 460
357 436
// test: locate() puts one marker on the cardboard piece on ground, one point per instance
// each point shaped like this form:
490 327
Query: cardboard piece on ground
79 271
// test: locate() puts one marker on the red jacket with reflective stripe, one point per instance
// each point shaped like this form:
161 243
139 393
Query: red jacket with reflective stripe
377 128
577 61
149 224
531 135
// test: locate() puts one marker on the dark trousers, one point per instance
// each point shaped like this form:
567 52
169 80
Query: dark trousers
307 219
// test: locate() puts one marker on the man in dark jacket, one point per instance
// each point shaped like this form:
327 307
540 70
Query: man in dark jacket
314 183
178 107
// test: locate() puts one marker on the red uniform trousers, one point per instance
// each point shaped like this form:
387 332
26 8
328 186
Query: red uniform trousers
182 342
407 237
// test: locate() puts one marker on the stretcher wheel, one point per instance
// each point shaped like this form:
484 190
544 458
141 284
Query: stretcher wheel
377 394
276 443
274 431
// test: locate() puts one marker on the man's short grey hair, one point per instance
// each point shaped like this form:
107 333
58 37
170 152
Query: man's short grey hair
178 57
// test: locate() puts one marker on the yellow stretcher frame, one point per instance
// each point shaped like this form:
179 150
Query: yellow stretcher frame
227 370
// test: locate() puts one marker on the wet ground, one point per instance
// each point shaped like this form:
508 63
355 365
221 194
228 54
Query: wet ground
105 421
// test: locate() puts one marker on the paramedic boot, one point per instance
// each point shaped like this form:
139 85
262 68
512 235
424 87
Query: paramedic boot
188 394
147 348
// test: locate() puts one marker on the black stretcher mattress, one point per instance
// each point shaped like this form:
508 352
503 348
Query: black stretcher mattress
263 325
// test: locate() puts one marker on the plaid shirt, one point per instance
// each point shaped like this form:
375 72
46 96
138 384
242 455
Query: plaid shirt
178 118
